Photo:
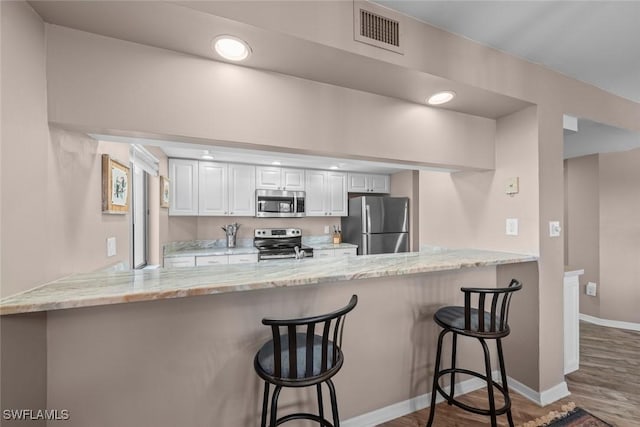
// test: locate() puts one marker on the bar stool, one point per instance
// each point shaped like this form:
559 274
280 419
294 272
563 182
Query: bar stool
297 357
483 325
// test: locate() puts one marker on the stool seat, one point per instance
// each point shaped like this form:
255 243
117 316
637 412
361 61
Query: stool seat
476 322
453 317
266 360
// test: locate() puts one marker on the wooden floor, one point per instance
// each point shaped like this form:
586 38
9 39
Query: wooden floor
607 385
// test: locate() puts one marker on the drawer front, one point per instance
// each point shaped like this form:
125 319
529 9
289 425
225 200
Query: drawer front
243 259
346 252
212 260
322 253
178 262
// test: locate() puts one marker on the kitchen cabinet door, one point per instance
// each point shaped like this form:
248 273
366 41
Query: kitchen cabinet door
380 184
336 194
242 190
369 183
179 262
357 183
243 259
292 179
268 178
315 187
323 253
183 178
213 194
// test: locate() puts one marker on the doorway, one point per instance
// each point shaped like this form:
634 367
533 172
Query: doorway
139 218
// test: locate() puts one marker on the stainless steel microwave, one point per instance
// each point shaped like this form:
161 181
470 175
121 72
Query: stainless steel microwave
279 203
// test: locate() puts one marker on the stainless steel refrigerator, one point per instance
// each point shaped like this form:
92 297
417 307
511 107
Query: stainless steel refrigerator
378 225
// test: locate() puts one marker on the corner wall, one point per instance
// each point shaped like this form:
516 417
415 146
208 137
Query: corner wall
582 228
407 184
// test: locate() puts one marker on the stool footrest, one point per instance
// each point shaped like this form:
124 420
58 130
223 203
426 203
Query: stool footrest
480 411
303 416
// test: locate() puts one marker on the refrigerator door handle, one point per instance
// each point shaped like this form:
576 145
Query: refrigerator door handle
367 220
365 244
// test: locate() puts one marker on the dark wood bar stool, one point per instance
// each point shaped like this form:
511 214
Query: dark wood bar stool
298 357
474 321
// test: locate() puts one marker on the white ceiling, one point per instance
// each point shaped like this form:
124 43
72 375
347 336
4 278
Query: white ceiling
597 42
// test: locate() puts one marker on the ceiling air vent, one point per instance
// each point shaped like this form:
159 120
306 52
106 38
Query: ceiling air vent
377 26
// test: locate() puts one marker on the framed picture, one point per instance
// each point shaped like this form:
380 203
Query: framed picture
116 182
164 192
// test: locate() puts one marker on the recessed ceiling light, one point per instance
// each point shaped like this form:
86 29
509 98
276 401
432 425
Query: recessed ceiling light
441 97
207 155
333 167
231 48
275 163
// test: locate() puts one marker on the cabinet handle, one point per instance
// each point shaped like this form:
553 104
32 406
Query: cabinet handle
230 213
330 213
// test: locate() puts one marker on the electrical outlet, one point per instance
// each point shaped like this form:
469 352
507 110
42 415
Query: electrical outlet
111 246
512 227
554 229
592 289
326 229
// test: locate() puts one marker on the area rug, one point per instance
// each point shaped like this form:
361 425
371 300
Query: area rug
568 416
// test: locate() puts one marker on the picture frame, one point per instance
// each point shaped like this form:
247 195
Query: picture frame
165 195
116 186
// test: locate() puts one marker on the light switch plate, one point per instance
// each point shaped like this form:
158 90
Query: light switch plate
512 226
111 246
513 186
554 228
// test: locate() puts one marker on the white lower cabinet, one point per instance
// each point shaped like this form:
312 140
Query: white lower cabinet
200 261
324 253
179 261
212 260
243 259
572 320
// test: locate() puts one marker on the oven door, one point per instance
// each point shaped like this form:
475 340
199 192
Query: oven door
279 204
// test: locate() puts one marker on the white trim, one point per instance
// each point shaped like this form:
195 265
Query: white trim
543 398
610 323
406 407
417 403
141 157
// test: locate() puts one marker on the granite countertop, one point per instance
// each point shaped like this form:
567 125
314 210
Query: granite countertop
208 248
243 246
114 287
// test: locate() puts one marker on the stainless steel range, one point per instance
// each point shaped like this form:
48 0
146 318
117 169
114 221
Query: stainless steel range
280 243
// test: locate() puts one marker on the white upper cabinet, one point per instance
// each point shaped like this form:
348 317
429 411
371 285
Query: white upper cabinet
337 193
213 194
211 188
242 190
273 178
326 193
183 178
369 183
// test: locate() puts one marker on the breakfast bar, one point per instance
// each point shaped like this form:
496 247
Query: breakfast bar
173 347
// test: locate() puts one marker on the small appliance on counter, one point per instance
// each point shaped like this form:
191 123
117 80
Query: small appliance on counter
280 243
377 224
231 230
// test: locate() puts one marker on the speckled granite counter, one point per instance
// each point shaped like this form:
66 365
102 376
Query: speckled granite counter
85 290
208 248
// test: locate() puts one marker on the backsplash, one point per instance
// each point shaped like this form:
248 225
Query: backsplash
209 227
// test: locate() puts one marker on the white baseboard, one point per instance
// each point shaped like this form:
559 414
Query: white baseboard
417 403
610 323
400 409
543 398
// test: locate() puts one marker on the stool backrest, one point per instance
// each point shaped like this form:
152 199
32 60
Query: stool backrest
330 325
498 314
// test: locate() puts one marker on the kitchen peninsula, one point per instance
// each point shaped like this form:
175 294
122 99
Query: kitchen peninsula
119 345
